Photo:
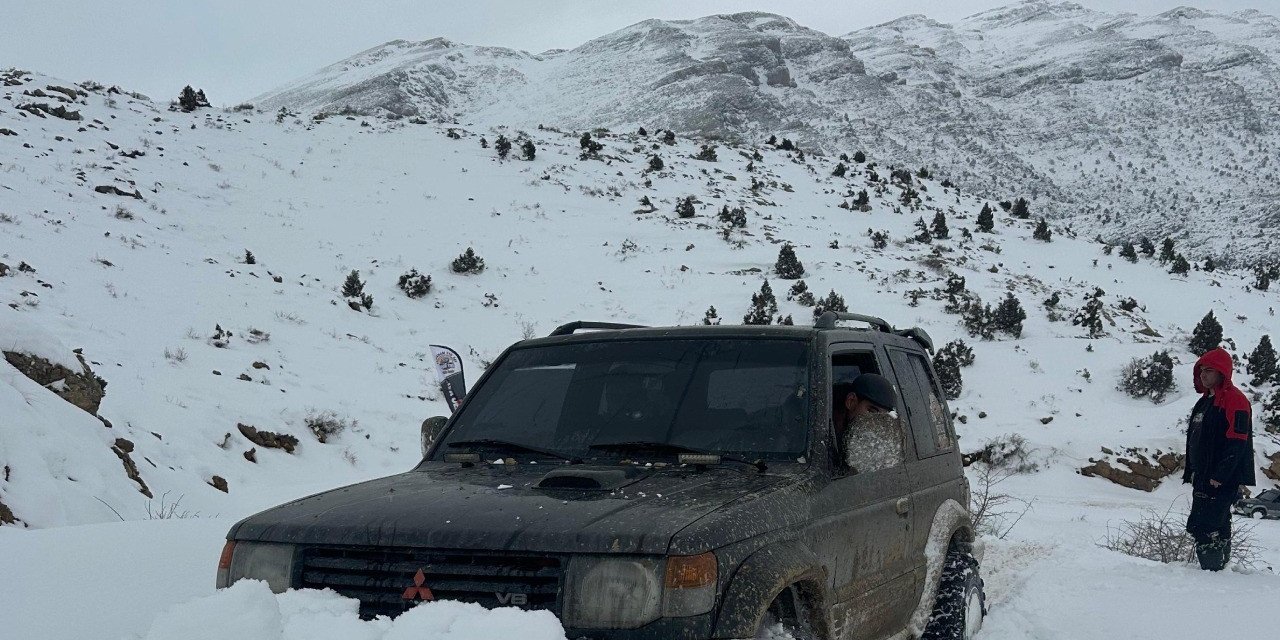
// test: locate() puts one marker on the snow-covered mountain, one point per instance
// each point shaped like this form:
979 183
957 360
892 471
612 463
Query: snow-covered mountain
1127 125
125 229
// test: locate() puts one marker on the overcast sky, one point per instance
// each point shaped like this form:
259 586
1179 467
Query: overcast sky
236 49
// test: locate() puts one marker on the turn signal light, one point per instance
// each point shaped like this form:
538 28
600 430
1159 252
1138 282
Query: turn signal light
224 561
691 572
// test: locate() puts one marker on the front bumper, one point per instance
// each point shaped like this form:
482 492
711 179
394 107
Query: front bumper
690 628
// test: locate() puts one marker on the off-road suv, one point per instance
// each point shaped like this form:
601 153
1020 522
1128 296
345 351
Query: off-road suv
659 483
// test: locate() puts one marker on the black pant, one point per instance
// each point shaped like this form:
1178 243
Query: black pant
1210 525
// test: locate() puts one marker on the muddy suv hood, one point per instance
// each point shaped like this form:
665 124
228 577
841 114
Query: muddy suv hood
633 510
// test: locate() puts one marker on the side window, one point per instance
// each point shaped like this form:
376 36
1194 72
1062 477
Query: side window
868 442
928 412
938 417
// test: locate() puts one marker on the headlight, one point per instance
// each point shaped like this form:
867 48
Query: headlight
627 593
612 593
269 562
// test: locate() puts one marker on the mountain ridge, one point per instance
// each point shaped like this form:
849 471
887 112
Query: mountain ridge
1124 125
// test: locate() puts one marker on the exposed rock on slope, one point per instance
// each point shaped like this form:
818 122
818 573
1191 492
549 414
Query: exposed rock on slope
82 389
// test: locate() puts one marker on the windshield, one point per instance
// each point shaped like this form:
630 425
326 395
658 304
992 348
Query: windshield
739 397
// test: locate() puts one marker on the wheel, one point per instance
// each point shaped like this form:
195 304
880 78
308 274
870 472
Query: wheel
1259 514
962 604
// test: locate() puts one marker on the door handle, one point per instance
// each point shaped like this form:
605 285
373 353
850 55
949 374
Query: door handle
903 506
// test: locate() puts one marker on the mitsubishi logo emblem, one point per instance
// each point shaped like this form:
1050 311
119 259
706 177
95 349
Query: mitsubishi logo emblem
418 590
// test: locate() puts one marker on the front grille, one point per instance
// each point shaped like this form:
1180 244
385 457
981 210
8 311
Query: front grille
378 577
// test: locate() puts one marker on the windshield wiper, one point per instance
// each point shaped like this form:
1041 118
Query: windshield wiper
495 443
670 447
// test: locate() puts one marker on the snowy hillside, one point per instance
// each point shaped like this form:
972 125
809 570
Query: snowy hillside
1128 125
124 228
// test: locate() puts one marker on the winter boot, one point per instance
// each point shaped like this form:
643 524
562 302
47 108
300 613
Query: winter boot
1212 553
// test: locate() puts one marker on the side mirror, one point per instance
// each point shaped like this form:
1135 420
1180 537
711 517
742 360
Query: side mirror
431 428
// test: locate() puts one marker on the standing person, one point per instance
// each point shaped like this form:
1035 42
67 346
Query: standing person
1219 457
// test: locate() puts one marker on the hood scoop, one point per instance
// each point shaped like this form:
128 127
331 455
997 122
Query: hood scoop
581 479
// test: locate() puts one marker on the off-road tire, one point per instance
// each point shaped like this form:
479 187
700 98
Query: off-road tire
960 599
1258 514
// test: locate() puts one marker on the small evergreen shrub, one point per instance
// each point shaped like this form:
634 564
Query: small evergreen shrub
1150 377
1042 231
947 363
1090 315
788 266
414 284
939 226
468 262
1271 412
735 218
353 291
684 208
1263 363
711 316
986 219
1008 316
797 289
590 148
833 302
763 305
1128 252
1206 336
1021 209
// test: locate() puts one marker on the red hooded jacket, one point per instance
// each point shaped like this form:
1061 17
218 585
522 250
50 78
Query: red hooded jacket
1222 448
1227 396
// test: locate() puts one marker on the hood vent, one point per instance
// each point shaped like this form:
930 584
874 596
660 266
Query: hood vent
586 479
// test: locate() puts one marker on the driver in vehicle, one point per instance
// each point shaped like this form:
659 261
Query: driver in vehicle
866 425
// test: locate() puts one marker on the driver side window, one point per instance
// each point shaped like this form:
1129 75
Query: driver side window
864 442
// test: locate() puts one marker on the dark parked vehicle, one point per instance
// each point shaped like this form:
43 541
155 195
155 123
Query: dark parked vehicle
659 483
1266 505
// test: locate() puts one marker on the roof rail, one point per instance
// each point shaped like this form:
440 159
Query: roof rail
828 321
919 335
570 328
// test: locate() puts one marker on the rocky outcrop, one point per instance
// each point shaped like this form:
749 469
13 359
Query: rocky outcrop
81 388
41 108
122 448
1135 468
110 189
1273 470
267 439
6 515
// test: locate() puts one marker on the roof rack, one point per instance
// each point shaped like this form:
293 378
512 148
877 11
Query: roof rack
829 319
570 328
